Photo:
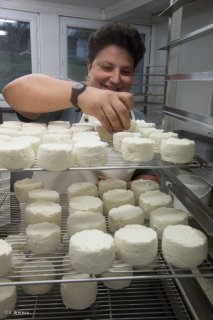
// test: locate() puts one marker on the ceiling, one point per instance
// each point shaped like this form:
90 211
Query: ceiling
132 11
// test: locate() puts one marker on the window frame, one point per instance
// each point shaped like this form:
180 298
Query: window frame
33 19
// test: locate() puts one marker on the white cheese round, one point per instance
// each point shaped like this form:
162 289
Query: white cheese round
16 155
136 245
116 198
43 238
85 220
110 184
152 200
55 156
90 153
177 150
5 257
118 139
82 189
43 211
137 149
140 186
43 195
8 298
91 251
163 217
78 295
121 216
21 188
157 137
85 203
118 270
184 246
37 270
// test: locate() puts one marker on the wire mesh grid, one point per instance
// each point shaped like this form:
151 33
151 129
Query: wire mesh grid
116 161
152 294
144 299
13 227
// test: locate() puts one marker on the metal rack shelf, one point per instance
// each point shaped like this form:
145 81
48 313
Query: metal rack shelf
12 221
143 299
194 76
205 123
190 36
173 7
115 161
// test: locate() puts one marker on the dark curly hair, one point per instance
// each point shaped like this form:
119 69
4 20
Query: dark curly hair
120 34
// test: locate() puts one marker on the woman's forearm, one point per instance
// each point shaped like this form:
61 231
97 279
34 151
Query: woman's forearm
37 93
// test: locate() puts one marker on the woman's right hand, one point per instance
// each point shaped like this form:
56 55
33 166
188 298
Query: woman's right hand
109 107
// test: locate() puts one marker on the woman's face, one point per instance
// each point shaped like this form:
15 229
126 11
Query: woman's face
112 69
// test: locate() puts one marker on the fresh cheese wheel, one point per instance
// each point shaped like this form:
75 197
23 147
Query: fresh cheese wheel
18 260
34 141
136 245
118 270
163 217
22 187
59 123
91 251
145 132
43 195
16 155
8 298
78 295
82 189
121 216
104 135
43 238
82 127
143 124
5 257
110 184
57 138
177 150
17 241
118 139
85 220
140 186
37 270
184 246
152 200
116 198
158 137
85 203
43 211
91 153
55 156
137 149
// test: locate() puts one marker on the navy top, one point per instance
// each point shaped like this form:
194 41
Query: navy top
71 114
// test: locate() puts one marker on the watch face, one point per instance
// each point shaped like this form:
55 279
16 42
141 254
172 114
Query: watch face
78 85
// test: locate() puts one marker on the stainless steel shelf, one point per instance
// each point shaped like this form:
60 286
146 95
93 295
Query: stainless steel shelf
12 222
195 76
147 300
205 123
175 6
190 36
202 214
115 161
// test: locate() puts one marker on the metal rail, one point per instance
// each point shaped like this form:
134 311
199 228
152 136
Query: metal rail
190 36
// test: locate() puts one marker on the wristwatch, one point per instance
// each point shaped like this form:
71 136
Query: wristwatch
77 89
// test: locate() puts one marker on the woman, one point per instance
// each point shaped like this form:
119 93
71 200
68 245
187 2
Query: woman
114 51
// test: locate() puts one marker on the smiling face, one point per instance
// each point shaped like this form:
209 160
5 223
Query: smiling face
112 69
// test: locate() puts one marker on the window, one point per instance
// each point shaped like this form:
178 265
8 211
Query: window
18 45
73 50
